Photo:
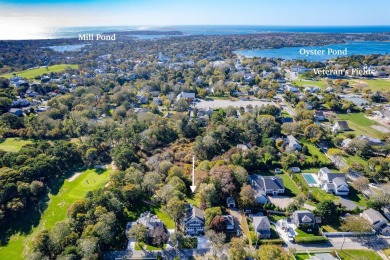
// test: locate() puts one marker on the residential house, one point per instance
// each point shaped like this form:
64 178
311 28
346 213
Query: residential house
295 169
16 111
230 202
194 221
291 88
319 115
259 195
272 185
158 101
185 95
244 147
340 126
152 223
370 140
386 212
345 143
229 221
333 182
293 144
142 99
261 226
377 220
304 219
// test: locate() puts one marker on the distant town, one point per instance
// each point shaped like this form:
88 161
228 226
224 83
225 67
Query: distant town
179 148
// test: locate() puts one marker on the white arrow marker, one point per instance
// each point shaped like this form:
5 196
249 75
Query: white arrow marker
193 187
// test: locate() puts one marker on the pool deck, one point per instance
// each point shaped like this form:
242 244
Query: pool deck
314 176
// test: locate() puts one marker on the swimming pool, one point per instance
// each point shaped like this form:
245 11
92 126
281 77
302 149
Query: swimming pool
310 179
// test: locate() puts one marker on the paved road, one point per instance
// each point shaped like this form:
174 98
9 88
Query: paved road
223 103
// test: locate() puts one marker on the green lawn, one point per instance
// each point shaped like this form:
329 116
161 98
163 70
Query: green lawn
164 217
314 150
310 83
358 254
321 195
290 184
360 125
13 144
374 84
357 197
301 233
355 159
32 73
57 209
148 247
302 256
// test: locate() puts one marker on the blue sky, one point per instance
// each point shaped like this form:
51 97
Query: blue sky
46 13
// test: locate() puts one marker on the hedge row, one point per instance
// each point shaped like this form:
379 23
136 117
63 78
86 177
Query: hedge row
311 240
277 241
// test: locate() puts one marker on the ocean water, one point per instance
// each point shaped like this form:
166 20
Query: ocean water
73 32
291 53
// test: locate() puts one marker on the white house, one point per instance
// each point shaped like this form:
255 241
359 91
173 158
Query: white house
185 95
194 220
333 182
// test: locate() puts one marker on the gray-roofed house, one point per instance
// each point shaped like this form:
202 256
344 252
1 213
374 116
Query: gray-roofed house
377 220
261 226
304 219
333 182
16 111
340 126
185 95
272 185
259 193
152 223
293 144
370 140
319 115
194 220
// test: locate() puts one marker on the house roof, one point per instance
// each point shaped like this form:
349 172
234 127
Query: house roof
261 222
374 216
193 211
229 219
272 183
230 200
304 216
319 113
343 125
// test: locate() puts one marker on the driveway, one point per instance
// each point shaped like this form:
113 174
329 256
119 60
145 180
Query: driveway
280 201
347 202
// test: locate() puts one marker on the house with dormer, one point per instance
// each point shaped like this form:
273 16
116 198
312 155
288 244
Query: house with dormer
261 226
333 182
304 219
194 220
377 220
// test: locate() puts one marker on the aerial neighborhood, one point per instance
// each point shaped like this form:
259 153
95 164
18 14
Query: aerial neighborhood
180 147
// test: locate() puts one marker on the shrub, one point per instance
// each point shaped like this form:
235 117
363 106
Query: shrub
311 240
277 241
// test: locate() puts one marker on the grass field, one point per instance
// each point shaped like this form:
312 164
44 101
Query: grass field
164 217
313 150
358 254
373 84
57 209
32 73
311 83
290 184
13 144
360 125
